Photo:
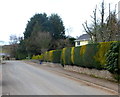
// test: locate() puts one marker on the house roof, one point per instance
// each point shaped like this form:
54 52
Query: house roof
84 37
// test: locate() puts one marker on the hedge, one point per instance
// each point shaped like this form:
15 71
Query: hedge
46 56
100 56
66 56
56 56
89 56
36 57
113 58
49 56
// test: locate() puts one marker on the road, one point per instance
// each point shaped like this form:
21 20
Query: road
0 79
20 78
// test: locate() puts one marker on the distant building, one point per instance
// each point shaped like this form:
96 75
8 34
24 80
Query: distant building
82 40
4 56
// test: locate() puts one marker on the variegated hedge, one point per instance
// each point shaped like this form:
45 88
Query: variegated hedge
88 56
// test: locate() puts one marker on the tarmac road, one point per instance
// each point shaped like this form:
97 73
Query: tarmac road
19 78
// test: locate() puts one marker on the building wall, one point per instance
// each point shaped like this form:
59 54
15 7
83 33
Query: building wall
76 43
84 42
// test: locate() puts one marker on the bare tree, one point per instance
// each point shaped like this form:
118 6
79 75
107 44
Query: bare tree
38 43
13 39
43 39
104 29
102 21
13 45
92 31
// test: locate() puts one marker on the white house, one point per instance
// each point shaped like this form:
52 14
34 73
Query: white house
82 40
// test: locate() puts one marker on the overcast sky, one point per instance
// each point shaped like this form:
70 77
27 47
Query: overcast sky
14 14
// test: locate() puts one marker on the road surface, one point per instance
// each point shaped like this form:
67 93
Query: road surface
20 78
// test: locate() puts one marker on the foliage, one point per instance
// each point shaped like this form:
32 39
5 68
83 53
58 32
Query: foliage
62 43
66 56
58 29
77 58
90 56
103 47
21 50
104 55
46 56
42 33
84 56
56 56
63 56
41 57
71 41
50 58
36 57
37 23
113 58
82 50
39 43
72 54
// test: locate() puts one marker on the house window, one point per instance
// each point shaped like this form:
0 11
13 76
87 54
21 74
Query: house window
78 42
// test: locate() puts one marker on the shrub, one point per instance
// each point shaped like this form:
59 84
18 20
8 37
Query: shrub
104 55
72 55
50 56
36 57
100 57
84 56
82 50
42 57
112 59
46 56
77 58
91 55
88 57
33 57
56 56
66 56
63 56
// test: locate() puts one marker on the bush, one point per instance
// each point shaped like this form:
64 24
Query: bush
41 57
46 56
84 56
56 56
77 58
63 56
72 54
89 56
88 59
36 57
50 56
112 59
66 56
102 55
